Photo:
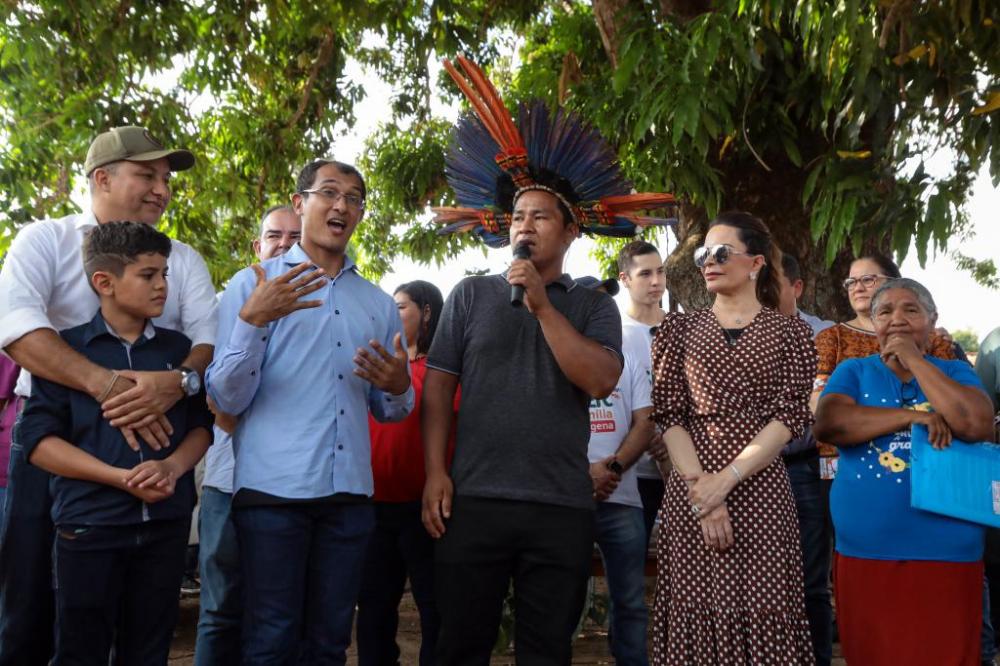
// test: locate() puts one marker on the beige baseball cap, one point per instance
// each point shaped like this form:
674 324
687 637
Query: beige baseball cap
135 144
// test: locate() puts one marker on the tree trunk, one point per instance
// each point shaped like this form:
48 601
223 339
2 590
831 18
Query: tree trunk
609 14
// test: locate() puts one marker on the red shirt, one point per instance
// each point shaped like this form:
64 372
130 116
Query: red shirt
398 448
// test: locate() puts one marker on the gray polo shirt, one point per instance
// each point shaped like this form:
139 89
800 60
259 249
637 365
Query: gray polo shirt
523 427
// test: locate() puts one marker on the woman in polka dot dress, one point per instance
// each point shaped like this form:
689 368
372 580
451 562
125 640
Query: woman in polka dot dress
732 386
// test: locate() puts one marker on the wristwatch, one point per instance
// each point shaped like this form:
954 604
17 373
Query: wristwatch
616 467
190 381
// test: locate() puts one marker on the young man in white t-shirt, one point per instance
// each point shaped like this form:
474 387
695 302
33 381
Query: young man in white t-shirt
641 273
620 431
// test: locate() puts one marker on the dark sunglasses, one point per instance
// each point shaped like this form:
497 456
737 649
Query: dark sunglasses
720 254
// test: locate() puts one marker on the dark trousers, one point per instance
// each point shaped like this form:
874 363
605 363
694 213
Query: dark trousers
118 586
545 549
812 505
27 610
301 573
651 494
400 548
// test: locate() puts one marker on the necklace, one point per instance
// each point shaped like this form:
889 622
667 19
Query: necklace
739 320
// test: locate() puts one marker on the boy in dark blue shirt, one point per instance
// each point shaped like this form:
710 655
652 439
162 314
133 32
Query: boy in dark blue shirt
122 515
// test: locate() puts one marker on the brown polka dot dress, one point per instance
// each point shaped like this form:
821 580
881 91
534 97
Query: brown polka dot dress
745 605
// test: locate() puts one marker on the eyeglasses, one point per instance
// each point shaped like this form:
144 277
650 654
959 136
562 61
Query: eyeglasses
867 281
720 254
331 195
908 393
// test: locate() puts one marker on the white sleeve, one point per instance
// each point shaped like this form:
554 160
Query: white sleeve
638 384
198 303
26 282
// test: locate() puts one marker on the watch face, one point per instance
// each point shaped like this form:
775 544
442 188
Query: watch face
191 383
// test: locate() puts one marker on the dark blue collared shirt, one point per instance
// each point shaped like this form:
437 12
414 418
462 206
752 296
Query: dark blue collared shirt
55 410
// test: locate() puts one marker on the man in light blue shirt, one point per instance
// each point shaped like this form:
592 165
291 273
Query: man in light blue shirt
298 375
220 606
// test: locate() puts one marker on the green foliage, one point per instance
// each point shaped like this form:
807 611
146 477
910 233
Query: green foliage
968 338
984 272
824 114
845 101
406 174
256 88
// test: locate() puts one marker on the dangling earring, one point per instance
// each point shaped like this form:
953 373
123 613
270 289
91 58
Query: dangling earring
753 276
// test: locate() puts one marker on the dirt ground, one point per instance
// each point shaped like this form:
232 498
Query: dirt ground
591 647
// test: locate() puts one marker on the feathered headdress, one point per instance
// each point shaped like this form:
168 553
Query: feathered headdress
492 161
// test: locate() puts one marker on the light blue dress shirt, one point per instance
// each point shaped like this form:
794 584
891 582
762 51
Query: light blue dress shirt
303 427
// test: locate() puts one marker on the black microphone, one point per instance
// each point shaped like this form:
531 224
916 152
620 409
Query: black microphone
522 251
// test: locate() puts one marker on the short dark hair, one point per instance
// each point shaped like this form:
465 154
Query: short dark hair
272 209
636 248
424 294
887 265
112 246
307 177
790 267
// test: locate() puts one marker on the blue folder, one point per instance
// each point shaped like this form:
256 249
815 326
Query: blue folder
961 481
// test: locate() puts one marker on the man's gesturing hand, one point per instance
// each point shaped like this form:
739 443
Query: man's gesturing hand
275 298
388 372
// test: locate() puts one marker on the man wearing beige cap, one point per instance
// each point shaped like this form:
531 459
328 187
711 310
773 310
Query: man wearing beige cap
43 290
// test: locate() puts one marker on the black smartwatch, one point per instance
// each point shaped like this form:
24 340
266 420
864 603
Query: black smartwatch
190 381
616 467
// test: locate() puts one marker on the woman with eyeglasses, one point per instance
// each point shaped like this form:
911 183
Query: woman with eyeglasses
856 338
908 583
731 388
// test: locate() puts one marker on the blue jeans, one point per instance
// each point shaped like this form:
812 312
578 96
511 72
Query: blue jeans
400 548
218 641
814 537
621 537
117 585
301 573
27 607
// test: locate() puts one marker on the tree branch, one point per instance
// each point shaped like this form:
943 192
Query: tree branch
322 58
609 14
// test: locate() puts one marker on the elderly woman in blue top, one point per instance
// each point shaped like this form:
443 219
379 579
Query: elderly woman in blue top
301 359
908 583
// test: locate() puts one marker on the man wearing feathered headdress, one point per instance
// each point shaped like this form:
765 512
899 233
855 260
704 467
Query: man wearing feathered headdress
518 502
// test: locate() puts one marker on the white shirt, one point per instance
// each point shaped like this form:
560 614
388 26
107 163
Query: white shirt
610 421
637 339
818 325
43 285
